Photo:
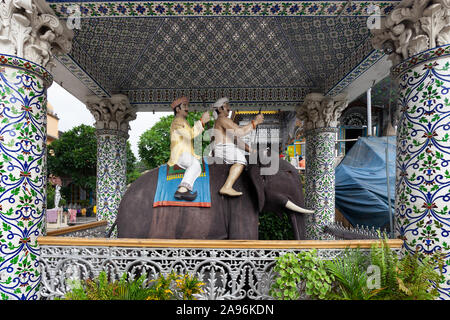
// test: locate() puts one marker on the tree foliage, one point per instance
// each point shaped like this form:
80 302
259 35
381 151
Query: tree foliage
275 227
154 144
132 169
75 156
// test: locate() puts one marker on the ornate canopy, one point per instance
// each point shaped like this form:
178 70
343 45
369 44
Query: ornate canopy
266 55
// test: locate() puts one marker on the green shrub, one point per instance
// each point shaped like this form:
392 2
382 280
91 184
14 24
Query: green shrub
50 196
412 277
170 287
301 272
274 227
351 277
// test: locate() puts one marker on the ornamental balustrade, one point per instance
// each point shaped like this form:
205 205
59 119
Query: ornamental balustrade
230 269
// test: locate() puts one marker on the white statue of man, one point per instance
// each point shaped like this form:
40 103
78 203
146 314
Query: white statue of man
57 195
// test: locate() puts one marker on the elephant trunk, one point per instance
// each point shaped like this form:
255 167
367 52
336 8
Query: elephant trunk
293 207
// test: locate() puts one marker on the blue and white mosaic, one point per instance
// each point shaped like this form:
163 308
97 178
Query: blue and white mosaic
220 8
111 175
22 174
423 156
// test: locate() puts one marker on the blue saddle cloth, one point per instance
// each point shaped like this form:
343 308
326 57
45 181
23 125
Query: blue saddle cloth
169 179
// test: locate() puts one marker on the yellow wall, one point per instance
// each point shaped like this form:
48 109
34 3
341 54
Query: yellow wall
52 124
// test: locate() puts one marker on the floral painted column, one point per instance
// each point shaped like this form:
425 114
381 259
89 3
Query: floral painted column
319 115
28 34
112 117
417 37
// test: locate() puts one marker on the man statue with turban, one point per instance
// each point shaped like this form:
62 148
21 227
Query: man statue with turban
228 144
182 148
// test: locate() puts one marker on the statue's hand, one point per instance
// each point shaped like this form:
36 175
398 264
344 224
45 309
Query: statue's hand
205 117
259 119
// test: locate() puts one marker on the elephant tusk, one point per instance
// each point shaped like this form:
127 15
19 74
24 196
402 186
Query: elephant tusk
291 206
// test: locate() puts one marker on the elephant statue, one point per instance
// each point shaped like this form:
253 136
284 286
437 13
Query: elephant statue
227 218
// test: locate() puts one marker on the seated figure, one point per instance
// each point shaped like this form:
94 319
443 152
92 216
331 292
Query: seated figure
182 149
228 145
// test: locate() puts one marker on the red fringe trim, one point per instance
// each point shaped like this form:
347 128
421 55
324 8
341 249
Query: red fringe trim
181 204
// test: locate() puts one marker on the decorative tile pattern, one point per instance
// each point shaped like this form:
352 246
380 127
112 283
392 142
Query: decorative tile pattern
23 176
186 46
29 66
71 65
220 8
281 60
218 52
111 174
359 68
418 59
319 183
244 95
423 156
108 48
324 45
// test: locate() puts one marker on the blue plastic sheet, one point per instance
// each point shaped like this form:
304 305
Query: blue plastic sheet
361 182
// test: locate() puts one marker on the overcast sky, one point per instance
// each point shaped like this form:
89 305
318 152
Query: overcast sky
72 112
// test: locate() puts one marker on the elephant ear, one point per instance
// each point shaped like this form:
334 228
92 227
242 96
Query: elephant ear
258 183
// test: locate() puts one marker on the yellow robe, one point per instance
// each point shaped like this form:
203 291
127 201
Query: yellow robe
181 136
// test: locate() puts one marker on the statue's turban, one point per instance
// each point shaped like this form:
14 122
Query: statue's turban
220 102
179 101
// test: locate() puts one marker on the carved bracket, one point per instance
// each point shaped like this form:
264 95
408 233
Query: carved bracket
319 111
29 29
113 113
412 27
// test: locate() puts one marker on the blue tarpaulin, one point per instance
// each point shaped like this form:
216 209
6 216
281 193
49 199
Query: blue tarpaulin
361 183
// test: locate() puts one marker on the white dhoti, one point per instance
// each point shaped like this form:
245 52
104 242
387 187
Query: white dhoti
230 153
192 168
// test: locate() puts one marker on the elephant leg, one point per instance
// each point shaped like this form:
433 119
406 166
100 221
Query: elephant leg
298 226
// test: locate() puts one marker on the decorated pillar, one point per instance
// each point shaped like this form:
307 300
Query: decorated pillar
319 115
417 37
112 117
29 35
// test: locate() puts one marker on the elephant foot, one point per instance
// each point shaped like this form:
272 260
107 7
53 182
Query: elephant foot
230 192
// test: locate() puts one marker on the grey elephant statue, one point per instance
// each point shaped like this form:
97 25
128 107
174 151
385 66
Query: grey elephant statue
227 218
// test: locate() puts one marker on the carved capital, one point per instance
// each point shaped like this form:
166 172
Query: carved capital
29 29
111 114
412 27
319 111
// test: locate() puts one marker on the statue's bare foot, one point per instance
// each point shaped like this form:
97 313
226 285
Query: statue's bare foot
230 192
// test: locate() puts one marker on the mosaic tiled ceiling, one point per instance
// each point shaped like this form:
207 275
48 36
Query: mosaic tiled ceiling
256 60
218 52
